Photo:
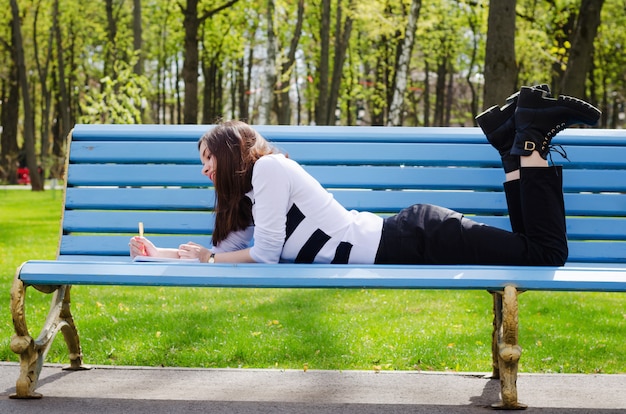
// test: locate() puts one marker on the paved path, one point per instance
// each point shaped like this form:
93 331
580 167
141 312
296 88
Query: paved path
141 390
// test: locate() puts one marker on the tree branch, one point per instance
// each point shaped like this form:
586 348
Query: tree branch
213 12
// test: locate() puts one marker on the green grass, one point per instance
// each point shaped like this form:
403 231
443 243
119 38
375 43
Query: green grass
290 328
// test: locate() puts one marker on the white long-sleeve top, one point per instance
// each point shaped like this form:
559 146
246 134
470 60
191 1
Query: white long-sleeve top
297 220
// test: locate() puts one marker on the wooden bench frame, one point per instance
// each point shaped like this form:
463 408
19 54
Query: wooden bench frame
385 168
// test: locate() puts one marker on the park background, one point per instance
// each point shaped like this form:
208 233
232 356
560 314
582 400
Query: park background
326 62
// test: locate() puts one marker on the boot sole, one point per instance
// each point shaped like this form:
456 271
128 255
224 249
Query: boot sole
588 112
494 117
537 99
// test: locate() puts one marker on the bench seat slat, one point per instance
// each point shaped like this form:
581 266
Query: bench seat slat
323 276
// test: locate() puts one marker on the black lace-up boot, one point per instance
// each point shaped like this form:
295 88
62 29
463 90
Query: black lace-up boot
539 117
498 124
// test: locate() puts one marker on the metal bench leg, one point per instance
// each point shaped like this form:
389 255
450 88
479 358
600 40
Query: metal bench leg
70 334
32 352
497 323
509 352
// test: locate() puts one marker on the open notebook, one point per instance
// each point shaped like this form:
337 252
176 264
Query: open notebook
163 259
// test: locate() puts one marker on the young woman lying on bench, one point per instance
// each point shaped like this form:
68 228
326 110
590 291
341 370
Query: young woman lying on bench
264 196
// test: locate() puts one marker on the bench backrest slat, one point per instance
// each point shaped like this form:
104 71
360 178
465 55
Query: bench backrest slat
201 222
344 176
469 202
286 133
368 153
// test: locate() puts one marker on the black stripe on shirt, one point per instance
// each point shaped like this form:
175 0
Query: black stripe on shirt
342 254
312 247
294 218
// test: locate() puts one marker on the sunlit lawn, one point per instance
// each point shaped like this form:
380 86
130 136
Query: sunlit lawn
290 328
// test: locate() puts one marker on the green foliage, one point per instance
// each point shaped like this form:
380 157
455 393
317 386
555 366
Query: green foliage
610 54
117 101
290 328
451 31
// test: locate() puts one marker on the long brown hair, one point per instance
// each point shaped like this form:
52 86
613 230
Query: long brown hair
236 146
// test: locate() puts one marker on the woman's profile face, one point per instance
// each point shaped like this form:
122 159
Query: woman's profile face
209 165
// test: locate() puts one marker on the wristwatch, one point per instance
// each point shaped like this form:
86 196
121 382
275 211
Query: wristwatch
212 258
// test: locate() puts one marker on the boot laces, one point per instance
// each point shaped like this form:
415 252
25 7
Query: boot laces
558 148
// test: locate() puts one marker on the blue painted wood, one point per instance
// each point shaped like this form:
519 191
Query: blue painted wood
122 174
601 204
140 198
368 177
117 245
201 222
572 136
377 177
124 221
324 276
304 152
374 153
278 133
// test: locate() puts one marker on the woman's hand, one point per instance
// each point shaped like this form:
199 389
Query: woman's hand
140 246
193 250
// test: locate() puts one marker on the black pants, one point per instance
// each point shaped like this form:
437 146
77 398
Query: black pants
427 234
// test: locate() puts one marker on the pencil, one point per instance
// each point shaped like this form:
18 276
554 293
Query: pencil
143 248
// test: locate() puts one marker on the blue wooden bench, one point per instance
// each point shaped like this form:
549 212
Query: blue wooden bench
120 175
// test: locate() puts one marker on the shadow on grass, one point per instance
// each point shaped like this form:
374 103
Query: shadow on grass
273 328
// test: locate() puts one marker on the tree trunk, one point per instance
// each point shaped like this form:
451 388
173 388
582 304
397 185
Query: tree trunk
581 54
342 39
9 150
448 96
440 91
426 94
212 103
110 47
500 66
402 70
29 122
137 36
267 94
283 103
191 22
177 116
323 69
473 23
64 100
46 93
242 90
